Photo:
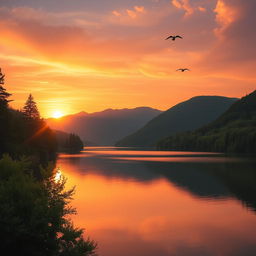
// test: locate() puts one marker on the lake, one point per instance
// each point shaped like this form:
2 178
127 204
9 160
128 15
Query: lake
160 203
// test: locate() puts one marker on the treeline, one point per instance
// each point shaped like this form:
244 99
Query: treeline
25 133
34 212
232 132
69 143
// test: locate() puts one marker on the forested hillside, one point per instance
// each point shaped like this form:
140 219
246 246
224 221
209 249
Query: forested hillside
234 131
35 210
185 116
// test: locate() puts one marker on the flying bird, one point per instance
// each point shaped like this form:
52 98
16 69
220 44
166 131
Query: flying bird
183 69
173 37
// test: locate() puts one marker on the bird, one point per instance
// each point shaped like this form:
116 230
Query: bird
183 69
173 37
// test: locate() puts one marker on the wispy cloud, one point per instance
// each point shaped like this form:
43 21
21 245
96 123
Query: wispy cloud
119 50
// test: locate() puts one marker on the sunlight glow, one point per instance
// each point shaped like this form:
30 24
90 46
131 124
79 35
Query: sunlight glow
58 175
57 114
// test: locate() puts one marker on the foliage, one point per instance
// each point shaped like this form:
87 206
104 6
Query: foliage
73 143
34 213
4 114
234 132
30 109
69 142
24 133
185 116
31 137
34 207
4 95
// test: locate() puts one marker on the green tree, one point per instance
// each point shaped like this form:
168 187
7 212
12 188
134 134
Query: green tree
34 214
30 109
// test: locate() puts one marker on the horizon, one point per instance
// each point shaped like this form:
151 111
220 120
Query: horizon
124 108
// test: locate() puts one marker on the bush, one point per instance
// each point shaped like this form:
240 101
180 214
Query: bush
34 213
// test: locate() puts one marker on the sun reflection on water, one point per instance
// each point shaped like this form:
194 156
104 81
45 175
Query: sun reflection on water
58 175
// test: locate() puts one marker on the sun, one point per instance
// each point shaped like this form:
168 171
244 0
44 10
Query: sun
57 114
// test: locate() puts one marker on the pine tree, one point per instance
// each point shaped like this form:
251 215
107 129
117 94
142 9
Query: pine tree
4 116
30 109
3 94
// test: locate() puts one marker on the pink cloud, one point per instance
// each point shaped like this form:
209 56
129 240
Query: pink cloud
139 9
201 9
187 6
116 13
225 15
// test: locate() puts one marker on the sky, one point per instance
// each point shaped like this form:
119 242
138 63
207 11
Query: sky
89 55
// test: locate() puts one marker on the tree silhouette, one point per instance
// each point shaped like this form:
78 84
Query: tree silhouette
3 94
73 143
30 109
4 115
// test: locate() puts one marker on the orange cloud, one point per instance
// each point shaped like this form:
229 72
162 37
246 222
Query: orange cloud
183 4
225 15
132 13
187 7
116 13
139 9
78 60
201 9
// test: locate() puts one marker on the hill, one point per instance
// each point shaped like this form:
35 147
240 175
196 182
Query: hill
234 131
105 127
185 116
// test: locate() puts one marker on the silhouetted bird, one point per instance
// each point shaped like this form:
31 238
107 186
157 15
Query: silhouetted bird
183 69
173 37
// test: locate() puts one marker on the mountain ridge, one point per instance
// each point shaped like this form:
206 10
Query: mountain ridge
232 132
203 109
104 127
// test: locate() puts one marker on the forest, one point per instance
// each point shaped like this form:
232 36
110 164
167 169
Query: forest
35 207
233 132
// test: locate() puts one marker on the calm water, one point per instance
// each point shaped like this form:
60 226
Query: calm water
151 203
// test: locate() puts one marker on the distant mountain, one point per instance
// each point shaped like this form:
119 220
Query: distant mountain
234 131
105 127
185 116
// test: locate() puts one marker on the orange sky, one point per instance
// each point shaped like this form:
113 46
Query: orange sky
84 55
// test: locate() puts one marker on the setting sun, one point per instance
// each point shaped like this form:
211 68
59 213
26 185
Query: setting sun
57 114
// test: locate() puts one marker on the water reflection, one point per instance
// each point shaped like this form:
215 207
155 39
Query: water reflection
164 203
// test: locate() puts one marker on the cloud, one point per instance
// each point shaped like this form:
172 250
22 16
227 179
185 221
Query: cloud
122 49
116 13
140 9
233 55
131 13
201 9
183 4
225 15
187 6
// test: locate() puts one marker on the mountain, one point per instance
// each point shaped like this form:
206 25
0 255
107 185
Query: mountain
185 116
234 131
105 127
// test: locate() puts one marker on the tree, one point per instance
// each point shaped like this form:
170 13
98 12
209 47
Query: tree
4 115
30 108
73 144
35 214
3 94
